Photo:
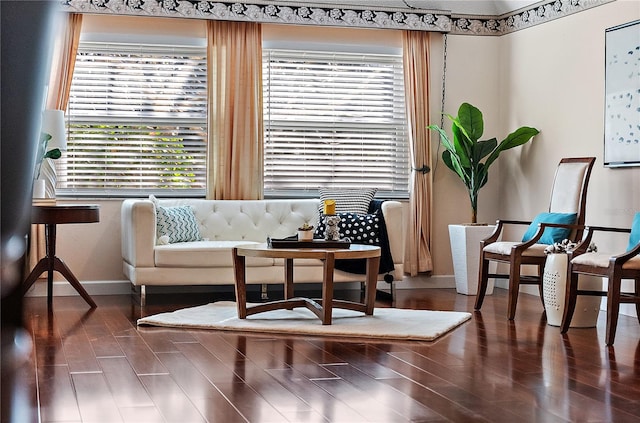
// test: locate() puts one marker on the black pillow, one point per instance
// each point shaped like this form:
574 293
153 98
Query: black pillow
359 228
367 229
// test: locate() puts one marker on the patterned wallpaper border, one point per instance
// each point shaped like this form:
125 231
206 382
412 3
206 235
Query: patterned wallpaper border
525 18
421 20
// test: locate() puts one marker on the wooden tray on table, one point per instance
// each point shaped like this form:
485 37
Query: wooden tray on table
292 242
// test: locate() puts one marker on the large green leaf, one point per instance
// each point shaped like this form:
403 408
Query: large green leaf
483 149
470 118
482 176
463 146
444 138
53 154
452 161
518 137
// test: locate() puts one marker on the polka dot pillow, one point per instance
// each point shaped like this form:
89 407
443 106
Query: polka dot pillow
359 228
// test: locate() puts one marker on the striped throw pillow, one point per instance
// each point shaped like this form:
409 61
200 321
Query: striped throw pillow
348 200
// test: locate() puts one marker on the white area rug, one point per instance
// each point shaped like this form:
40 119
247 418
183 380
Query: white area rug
386 323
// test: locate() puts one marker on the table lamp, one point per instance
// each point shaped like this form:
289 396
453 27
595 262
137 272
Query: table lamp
52 124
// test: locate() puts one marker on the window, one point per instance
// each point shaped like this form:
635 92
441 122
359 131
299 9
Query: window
334 119
137 121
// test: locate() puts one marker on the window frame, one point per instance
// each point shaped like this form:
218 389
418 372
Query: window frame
193 141
340 51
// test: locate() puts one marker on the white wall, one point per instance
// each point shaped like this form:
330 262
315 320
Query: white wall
471 76
554 74
554 77
550 76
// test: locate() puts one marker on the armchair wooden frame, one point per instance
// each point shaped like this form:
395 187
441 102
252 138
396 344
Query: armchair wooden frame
522 253
619 267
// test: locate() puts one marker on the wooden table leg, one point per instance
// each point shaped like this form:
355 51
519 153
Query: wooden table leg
373 265
50 239
288 278
64 271
51 263
40 268
327 287
241 283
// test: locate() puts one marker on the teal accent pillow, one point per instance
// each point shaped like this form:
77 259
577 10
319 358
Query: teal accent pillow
634 238
550 235
178 223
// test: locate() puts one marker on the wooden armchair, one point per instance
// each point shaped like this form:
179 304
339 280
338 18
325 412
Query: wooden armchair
614 267
568 197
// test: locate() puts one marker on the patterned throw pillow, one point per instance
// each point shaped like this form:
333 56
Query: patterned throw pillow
178 223
348 200
359 228
175 224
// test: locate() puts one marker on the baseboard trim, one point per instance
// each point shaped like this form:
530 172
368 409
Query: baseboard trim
123 287
62 288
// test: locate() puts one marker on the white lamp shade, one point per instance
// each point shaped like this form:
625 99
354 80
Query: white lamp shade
53 124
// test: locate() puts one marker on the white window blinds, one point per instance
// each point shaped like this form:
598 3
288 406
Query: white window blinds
334 119
137 121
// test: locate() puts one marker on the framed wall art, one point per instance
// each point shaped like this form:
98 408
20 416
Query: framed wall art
622 95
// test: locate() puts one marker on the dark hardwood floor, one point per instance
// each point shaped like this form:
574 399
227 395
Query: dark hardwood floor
97 366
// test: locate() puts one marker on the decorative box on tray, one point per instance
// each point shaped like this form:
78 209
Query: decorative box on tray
293 242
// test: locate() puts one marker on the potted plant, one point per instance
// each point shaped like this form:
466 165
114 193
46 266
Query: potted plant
305 232
464 155
470 158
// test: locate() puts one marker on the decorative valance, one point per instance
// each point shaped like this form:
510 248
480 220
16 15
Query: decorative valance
406 19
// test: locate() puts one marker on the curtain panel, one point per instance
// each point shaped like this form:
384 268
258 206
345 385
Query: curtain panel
235 124
62 64
416 73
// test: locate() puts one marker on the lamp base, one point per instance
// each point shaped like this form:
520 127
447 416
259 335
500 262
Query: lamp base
39 188
45 185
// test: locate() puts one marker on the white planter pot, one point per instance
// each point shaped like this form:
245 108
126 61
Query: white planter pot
305 235
39 189
465 252
554 285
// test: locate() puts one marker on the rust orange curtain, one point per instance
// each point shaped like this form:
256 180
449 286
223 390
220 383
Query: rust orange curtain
235 124
416 76
62 64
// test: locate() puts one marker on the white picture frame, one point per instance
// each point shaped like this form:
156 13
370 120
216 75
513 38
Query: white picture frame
622 95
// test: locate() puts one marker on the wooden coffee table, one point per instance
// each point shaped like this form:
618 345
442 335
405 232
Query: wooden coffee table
320 307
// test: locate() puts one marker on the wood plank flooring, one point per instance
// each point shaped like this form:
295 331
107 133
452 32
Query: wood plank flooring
97 366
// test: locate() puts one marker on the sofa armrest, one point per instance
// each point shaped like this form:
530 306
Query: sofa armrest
138 232
394 220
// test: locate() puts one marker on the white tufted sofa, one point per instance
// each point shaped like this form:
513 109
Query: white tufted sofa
225 224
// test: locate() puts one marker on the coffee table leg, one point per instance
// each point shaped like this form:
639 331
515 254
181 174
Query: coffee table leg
241 284
327 287
288 278
373 265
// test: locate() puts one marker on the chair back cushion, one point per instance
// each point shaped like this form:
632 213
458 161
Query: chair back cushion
568 187
550 235
634 238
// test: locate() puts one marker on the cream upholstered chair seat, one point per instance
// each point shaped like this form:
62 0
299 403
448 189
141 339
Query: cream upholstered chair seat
568 199
603 259
624 265
504 248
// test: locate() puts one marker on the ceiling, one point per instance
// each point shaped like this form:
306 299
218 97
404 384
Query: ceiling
462 7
